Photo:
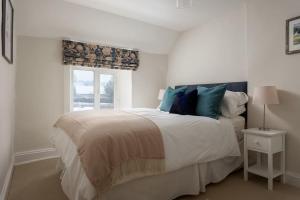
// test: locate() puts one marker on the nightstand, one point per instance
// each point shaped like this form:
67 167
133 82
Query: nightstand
268 142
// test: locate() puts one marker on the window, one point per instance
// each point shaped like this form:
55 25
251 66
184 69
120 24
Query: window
83 90
92 89
96 88
107 91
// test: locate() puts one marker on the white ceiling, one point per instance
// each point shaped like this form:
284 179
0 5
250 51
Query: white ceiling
59 19
164 12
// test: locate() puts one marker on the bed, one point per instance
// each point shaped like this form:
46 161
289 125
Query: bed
192 161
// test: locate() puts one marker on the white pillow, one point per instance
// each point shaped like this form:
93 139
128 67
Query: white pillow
233 104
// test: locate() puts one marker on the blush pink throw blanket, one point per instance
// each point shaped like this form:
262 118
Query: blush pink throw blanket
114 146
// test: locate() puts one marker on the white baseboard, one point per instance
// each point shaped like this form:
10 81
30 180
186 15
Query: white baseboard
293 179
7 180
35 155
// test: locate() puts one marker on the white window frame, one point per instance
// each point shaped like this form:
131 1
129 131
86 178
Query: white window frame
97 72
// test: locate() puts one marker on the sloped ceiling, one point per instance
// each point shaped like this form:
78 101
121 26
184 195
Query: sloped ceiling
148 25
163 12
60 19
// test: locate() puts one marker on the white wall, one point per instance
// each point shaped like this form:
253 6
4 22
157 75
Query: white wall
148 79
39 91
40 88
269 65
7 103
56 19
124 85
214 52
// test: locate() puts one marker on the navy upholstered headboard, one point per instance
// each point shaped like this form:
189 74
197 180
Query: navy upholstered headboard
232 86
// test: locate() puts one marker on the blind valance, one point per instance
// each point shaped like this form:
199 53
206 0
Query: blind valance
92 55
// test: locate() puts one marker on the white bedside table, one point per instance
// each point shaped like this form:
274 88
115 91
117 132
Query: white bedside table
268 142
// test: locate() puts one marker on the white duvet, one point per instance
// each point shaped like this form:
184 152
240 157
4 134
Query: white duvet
187 140
192 139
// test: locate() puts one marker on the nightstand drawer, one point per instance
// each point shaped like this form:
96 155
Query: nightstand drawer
258 143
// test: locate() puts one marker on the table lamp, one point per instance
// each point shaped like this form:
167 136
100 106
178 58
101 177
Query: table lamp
161 94
266 95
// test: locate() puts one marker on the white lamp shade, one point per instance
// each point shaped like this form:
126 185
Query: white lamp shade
265 95
161 94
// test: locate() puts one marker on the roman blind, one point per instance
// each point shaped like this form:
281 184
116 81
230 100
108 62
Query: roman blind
93 55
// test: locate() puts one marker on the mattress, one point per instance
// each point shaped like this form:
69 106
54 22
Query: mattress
194 176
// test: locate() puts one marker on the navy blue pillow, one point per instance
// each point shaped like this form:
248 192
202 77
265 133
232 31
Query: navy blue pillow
185 103
169 97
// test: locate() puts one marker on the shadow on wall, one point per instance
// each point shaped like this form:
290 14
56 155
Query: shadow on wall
282 116
288 109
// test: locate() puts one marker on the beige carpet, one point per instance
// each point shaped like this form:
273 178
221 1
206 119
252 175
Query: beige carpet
40 181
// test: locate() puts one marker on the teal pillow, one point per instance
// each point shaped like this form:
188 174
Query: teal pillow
169 97
209 101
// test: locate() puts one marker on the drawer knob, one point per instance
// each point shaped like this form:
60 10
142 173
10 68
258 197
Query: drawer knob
257 143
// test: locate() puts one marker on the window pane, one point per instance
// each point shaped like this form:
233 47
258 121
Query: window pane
106 91
83 90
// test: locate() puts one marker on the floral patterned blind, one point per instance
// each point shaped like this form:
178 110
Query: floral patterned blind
92 55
